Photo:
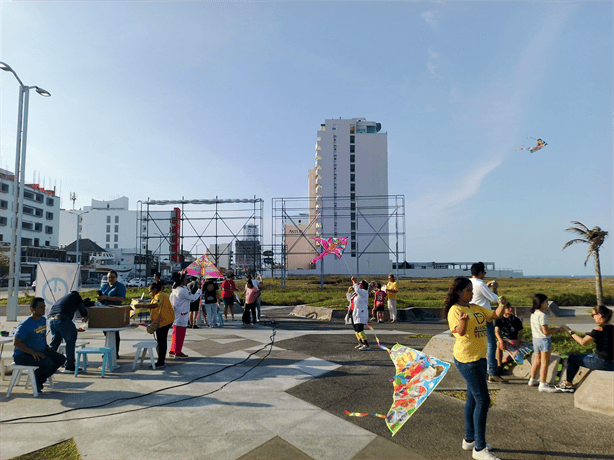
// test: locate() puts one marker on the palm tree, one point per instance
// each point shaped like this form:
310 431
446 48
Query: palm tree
594 238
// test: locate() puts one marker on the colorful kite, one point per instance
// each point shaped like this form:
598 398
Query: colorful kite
331 246
417 376
203 267
540 144
518 353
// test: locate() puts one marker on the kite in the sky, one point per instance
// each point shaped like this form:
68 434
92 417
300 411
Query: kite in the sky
331 246
417 375
540 144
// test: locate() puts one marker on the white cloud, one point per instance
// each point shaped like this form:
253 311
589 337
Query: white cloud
429 18
431 67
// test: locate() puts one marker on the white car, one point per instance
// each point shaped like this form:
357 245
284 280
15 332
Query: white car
136 282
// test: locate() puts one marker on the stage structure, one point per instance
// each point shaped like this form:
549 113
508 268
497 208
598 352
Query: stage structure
229 231
374 225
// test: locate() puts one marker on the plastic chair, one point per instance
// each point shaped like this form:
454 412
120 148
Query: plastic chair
141 349
62 347
18 371
107 359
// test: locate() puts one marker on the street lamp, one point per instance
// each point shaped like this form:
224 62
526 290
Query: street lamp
18 186
78 214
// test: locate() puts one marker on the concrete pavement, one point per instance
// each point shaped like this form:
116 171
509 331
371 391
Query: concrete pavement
238 396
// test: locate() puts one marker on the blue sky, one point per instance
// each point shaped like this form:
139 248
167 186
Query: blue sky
168 99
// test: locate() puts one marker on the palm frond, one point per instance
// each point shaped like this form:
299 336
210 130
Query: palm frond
577 240
577 231
584 227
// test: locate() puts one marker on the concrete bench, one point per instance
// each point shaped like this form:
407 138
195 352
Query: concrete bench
596 393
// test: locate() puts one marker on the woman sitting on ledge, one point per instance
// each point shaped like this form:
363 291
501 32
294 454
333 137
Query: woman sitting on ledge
603 358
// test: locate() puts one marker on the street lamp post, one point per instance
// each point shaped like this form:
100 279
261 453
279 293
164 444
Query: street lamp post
18 186
78 214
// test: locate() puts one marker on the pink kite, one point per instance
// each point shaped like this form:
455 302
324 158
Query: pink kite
331 246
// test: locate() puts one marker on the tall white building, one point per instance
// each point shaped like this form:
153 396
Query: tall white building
348 189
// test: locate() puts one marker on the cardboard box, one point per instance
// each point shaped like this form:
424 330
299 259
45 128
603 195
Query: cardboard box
111 316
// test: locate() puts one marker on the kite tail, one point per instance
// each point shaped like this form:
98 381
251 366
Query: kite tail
377 339
363 414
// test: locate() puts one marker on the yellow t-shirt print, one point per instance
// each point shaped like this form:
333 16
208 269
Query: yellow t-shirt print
471 346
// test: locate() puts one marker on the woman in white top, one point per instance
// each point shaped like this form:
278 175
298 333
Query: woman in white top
358 294
180 299
542 343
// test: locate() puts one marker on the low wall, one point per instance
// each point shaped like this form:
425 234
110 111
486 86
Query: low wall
596 394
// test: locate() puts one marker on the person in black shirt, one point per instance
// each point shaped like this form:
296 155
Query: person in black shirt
507 329
603 358
210 301
62 326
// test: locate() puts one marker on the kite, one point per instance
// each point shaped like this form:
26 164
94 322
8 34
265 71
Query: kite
331 246
203 267
540 144
417 375
518 353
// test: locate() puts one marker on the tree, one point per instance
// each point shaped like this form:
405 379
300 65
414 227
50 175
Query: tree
594 238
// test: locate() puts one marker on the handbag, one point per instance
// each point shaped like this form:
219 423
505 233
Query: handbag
155 324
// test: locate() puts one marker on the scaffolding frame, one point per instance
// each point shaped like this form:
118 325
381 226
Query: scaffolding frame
218 218
387 210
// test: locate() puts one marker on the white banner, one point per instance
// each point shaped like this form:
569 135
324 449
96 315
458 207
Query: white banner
54 280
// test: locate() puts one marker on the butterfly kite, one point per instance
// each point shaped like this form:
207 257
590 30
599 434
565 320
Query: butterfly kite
540 144
417 376
331 246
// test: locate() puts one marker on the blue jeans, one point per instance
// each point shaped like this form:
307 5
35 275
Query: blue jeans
491 352
592 361
478 400
64 329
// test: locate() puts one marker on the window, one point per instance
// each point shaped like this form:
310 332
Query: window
47 243
37 242
38 227
353 216
27 225
108 238
26 241
115 246
352 139
3 221
108 220
117 219
48 230
353 206
352 187
108 229
353 236
352 158
38 212
352 167
353 226
352 196
116 228
4 188
352 148
353 246
49 216
116 238
29 195
5 204
352 177
39 198
49 201
107 246
352 128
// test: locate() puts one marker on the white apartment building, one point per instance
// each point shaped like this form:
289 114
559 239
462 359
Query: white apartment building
112 226
348 189
41 214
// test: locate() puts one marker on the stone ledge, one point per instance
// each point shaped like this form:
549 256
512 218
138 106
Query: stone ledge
321 313
596 394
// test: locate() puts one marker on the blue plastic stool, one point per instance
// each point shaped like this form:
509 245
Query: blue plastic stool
106 358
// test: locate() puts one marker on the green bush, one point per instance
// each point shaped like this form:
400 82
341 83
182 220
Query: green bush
568 299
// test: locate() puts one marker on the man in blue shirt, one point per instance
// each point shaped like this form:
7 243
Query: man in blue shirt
62 325
31 344
113 293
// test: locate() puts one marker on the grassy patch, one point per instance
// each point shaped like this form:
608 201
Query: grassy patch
420 336
65 450
562 343
462 395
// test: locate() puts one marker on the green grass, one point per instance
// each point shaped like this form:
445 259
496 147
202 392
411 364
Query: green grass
66 450
562 343
415 292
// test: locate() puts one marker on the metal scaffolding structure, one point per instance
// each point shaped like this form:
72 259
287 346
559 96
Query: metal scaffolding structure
375 226
212 222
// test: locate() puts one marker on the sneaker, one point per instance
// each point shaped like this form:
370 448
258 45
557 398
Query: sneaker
496 379
565 387
484 454
380 321
533 382
158 366
71 370
364 348
547 388
360 345
171 354
471 445
181 355
195 326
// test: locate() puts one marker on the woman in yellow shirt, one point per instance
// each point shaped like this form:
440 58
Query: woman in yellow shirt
161 307
468 325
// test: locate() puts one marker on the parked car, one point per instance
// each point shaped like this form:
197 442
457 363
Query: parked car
91 281
136 282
